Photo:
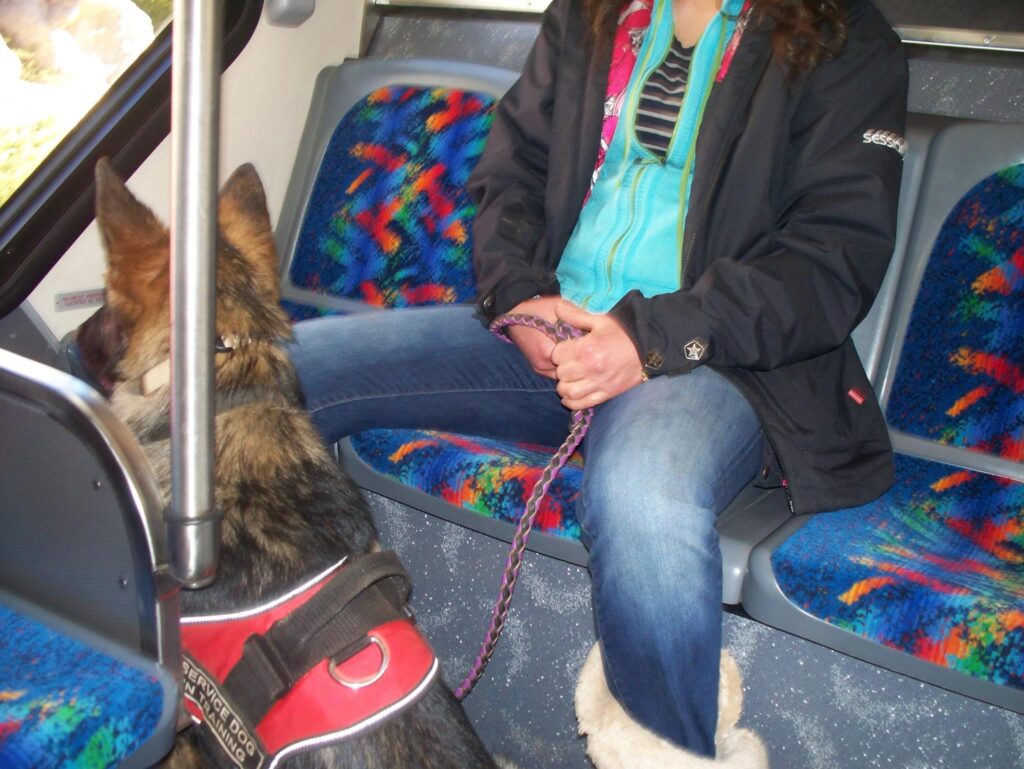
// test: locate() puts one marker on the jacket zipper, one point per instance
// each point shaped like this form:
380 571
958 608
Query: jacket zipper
634 183
730 136
782 468
701 215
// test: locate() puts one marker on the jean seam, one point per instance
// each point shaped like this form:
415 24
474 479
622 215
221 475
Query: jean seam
719 476
318 406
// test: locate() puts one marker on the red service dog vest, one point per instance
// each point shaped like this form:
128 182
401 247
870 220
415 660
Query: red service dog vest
333 701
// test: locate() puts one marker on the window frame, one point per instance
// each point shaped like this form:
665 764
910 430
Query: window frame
55 204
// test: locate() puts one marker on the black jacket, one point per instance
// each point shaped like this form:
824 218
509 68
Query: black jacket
789 233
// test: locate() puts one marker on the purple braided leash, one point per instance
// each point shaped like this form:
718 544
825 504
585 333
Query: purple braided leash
578 428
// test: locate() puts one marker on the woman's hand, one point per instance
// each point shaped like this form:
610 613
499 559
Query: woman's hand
532 343
598 366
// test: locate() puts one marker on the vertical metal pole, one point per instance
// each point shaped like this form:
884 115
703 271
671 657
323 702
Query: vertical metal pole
193 523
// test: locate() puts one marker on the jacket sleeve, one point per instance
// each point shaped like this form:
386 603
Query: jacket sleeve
805 284
508 184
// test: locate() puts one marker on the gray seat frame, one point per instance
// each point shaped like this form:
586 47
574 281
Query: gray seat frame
84 547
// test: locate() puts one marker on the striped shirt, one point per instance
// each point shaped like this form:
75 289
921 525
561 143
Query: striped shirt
661 98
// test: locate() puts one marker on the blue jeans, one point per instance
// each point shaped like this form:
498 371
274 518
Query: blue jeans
662 461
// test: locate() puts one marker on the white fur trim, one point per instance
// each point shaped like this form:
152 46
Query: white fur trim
616 741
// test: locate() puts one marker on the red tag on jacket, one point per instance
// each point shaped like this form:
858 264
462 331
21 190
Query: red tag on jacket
330 703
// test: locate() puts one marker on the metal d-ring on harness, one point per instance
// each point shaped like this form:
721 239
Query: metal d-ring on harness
559 332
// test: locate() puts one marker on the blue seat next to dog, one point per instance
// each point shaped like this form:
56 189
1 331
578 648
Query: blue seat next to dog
64 702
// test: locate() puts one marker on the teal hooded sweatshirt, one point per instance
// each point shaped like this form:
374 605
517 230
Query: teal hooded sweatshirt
629 234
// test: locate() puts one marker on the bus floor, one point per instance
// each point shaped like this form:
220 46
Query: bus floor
813 707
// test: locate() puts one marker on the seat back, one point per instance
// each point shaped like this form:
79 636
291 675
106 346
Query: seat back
82 516
376 214
952 378
960 376
89 657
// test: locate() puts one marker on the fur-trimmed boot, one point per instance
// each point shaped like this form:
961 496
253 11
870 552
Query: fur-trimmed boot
616 741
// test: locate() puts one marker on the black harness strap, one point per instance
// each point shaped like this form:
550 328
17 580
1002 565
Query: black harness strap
333 625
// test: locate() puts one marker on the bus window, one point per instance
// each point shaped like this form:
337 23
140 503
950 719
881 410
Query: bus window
50 203
57 60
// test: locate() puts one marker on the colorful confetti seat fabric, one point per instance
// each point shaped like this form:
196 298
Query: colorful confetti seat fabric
63 704
490 477
960 379
935 567
388 217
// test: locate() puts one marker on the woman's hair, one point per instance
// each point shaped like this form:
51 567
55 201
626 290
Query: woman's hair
806 31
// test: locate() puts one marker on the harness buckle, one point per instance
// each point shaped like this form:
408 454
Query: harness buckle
372 639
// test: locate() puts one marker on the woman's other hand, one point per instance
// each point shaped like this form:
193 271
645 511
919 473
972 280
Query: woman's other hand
532 343
598 366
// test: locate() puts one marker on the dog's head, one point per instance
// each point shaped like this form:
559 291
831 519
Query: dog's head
130 334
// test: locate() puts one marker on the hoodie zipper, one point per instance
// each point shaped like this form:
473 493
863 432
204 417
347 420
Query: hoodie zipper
638 174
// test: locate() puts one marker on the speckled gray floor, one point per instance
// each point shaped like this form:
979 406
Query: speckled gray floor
819 709
814 708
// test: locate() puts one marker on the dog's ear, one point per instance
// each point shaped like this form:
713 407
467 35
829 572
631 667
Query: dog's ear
130 230
245 224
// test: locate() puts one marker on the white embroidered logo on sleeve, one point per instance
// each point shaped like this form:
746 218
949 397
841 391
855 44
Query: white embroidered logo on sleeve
889 139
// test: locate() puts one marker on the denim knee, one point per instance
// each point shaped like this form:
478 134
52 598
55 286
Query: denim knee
637 496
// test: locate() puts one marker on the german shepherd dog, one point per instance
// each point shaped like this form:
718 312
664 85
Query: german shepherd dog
288 511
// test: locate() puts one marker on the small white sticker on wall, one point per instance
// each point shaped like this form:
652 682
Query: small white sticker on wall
78 300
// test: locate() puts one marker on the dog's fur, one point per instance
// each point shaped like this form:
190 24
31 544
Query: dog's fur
288 512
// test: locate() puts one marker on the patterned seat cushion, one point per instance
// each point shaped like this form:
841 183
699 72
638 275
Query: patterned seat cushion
388 224
960 379
388 216
490 477
934 568
63 704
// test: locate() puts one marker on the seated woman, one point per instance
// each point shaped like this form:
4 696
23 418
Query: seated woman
709 191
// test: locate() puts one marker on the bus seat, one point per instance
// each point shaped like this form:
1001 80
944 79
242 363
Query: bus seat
89 655
928 580
480 484
376 214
